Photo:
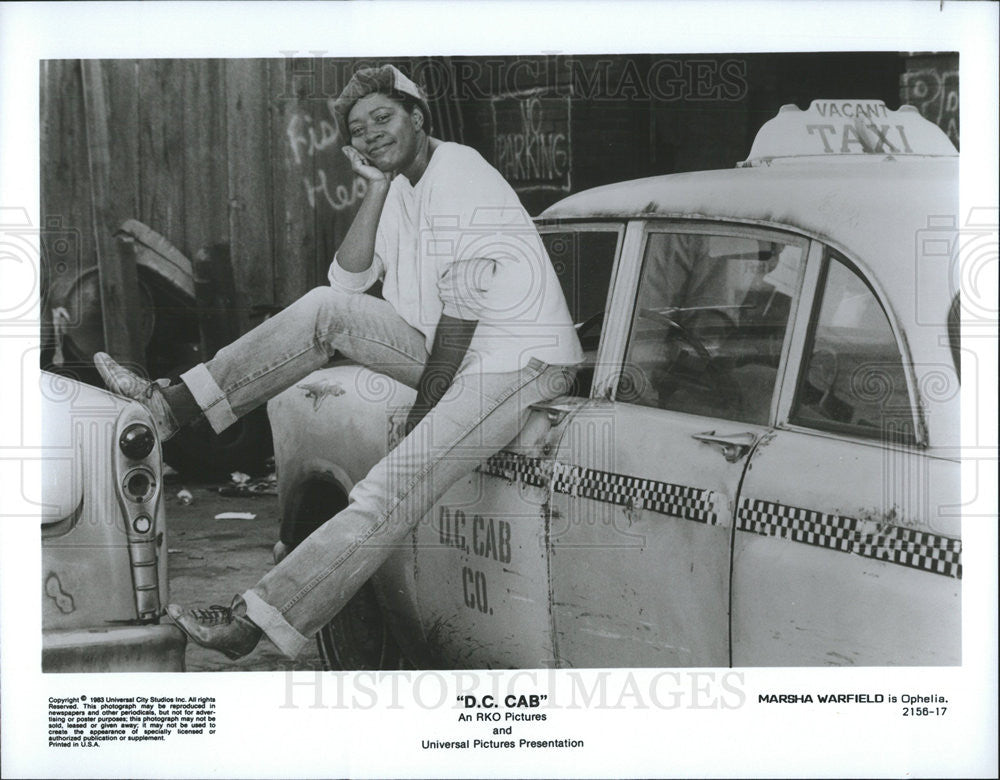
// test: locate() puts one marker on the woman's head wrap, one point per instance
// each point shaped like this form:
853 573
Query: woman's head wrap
386 79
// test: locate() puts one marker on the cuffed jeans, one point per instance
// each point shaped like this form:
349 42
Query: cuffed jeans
476 417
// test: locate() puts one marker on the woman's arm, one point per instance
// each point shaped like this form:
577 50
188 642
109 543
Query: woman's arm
357 250
451 342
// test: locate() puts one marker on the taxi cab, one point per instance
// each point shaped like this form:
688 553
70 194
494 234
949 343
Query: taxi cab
759 462
104 549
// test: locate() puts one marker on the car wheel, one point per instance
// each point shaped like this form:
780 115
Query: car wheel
358 638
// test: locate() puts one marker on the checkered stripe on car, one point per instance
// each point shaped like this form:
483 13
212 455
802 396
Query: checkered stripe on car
916 549
662 497
515 467
799 525
607 487
891 543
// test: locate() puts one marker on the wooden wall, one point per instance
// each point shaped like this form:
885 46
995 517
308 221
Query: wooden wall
203 151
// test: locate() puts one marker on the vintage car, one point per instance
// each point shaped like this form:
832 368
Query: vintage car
104 548
759 463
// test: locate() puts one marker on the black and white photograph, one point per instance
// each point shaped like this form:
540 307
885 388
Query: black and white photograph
640 515
516 401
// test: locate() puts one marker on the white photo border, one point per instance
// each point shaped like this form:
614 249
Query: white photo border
269 725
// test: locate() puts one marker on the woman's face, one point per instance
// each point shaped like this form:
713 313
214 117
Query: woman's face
384 132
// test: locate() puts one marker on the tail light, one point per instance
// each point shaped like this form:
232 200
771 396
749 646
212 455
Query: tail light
137 471
137 441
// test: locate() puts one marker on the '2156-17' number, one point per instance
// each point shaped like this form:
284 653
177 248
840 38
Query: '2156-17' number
908 711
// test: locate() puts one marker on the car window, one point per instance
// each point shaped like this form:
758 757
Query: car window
852 379
583 260
710 319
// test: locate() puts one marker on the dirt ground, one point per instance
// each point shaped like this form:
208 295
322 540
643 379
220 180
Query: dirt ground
212 560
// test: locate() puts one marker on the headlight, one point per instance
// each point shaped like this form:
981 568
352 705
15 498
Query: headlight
137 441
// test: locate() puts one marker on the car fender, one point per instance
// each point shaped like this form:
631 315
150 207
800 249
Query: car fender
340 417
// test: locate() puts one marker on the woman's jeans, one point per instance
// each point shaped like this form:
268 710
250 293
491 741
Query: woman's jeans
476 417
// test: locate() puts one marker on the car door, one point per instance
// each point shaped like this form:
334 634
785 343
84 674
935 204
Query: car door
843 555
646 474
481 561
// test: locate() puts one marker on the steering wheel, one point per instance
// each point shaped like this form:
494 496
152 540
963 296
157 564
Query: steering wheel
664 317
709 376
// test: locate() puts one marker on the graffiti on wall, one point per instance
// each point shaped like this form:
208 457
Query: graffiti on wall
934 92
315 147
531 140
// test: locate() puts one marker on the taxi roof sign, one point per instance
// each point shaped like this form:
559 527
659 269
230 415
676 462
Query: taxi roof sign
846 130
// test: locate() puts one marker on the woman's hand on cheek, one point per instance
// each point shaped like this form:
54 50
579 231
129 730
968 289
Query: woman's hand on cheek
363 168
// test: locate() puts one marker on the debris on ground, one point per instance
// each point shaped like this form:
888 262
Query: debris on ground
243 485
236 516
184 496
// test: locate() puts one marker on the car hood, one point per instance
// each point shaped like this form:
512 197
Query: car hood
76 423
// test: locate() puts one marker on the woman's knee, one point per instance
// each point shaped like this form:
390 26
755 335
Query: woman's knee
324 300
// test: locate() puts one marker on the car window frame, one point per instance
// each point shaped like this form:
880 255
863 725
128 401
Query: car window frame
626 295
810 302
591 225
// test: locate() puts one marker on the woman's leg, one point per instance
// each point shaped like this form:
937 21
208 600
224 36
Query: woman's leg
298 340
479 415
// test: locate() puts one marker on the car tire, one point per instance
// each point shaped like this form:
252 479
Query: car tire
359 638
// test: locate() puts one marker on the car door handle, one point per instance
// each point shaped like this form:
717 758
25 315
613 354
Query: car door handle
556 411
734 445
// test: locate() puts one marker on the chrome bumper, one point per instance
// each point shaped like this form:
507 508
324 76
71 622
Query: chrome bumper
114 649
